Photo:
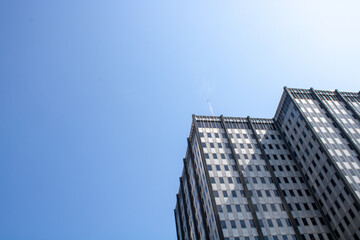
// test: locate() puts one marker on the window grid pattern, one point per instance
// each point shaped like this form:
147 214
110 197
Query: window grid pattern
353 99
230 199
346 118
298 197
183 217
327 185
186 197
196 201
213 231
325 161
334 141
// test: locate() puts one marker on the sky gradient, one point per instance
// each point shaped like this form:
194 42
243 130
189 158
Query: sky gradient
96 99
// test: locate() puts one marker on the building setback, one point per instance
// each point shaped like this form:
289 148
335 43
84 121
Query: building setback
296 176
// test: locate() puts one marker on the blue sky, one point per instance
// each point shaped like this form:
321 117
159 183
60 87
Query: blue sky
96 99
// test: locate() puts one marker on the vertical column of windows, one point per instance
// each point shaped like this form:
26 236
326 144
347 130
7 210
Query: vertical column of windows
182 217
337 124
275 179
226 184
299 193
229 195
182 197
213 222
331 137
356 104
191 199
206 201
197 194
337 210
255 222
347 114
351 166
267 204
352 101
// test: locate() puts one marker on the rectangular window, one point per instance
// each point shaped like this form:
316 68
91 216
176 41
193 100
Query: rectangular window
261 223
273 207
252 223
242 223
270 223
267 193
228 208
223 224
264 207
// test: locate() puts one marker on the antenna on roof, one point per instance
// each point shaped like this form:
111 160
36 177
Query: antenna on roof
210 108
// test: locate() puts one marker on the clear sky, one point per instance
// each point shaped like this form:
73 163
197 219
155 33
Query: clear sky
96 99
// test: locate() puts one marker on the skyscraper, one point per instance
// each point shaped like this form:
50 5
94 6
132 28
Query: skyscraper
296 176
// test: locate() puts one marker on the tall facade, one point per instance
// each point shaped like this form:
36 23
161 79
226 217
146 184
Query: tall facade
296 176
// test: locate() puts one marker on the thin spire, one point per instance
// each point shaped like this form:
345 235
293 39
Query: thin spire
210 108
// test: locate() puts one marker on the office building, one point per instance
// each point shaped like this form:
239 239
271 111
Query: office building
296 176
